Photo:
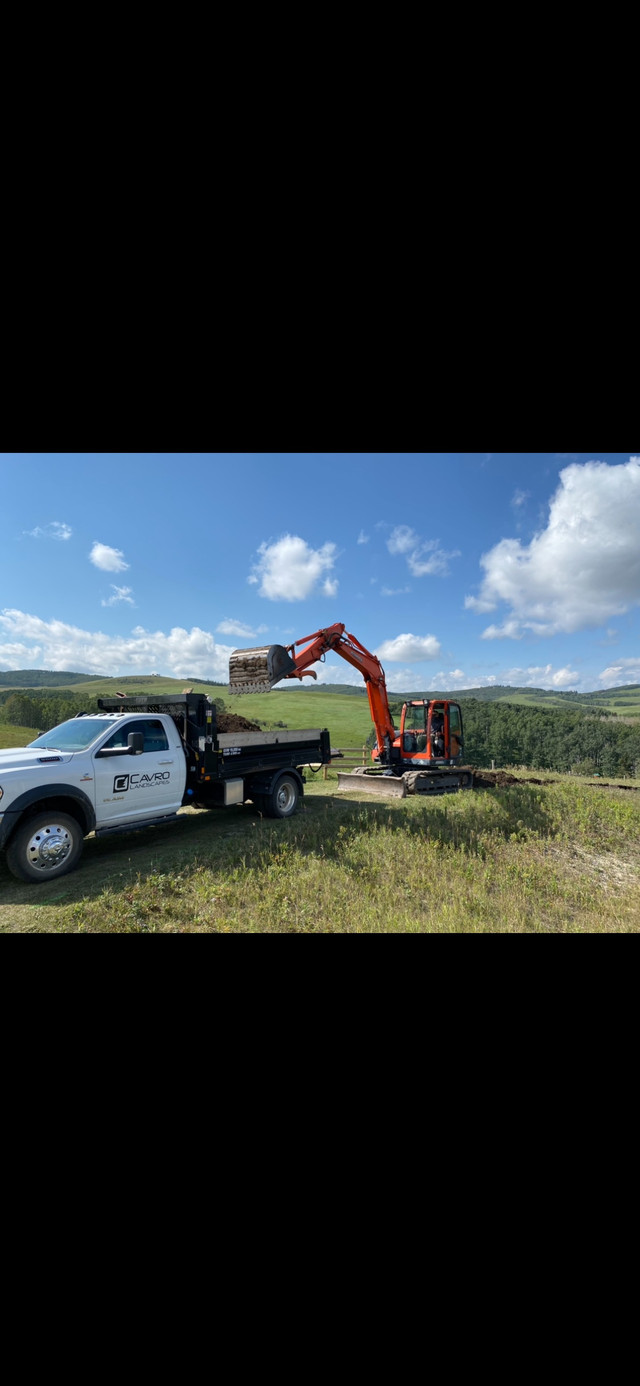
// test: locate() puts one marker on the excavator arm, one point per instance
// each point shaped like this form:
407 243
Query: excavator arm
253 670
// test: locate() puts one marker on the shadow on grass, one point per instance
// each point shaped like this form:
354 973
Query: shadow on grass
225 839
517 812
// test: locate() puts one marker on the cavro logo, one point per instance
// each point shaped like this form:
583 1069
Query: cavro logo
123 782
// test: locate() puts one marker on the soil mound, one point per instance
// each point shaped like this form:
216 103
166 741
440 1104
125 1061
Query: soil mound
231 721
500 779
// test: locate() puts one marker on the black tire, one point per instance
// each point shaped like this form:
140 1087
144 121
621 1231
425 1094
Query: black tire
282 802
45 847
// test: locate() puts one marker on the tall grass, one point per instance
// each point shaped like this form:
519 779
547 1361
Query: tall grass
555 858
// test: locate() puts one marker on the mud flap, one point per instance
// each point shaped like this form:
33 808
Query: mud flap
390 786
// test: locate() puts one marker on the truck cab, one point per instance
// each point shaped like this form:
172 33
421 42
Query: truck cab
104 771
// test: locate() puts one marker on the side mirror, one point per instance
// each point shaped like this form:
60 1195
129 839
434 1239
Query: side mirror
135 742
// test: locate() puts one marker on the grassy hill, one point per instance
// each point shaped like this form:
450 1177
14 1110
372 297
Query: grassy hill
16 736
623 701
42 678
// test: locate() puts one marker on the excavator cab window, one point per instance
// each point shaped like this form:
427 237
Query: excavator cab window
455 730
414 718
415 728
437 731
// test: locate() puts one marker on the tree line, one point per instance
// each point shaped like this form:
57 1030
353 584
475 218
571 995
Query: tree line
510 733
43 710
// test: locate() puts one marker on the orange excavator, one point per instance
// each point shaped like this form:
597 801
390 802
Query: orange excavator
423 756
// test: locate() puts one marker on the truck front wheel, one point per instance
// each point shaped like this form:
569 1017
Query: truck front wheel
45 847
283 799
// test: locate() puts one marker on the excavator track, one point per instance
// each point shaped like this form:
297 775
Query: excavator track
445 781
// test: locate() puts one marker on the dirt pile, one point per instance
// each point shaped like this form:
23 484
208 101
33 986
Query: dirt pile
492 779
231 722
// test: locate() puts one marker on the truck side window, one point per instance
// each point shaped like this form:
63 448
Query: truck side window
154 734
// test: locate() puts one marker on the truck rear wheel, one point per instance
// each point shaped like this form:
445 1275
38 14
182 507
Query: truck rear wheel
45 847
282 802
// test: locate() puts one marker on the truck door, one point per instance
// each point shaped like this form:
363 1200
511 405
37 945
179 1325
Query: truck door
142 786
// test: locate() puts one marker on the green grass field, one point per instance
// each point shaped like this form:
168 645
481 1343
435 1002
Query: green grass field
347 718
559 857
16 736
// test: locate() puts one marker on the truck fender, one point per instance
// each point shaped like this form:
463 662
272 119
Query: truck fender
263 784
41 794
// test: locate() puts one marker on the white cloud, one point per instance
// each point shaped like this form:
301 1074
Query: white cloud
436 565
55 530
290 569
230 627
625 671
110 560
330 587
330 673
409 648
424 556
541 676
402 539
34 643
509 631
120 594
518 498
363 538
582 569
394 591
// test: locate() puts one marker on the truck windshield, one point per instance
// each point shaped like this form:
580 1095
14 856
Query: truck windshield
75 735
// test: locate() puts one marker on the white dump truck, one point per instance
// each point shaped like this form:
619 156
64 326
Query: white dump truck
135 763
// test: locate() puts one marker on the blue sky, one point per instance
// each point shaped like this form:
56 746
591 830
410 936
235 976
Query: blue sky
457 569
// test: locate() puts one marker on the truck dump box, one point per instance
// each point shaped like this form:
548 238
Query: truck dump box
216 759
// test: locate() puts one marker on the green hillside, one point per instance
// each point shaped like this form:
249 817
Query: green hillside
624 702
16 736
42 678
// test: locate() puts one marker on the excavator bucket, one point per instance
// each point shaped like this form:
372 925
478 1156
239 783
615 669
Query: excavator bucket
258 669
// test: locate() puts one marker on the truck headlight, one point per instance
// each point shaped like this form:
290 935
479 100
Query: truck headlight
1 791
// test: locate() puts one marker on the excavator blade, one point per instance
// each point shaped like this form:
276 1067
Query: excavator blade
390 786
258 669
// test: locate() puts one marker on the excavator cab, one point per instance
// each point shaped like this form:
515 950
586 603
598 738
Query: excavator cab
431 731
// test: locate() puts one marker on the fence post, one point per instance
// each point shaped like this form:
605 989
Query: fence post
364 753
324 771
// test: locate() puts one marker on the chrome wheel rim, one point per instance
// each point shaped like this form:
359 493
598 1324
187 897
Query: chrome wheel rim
285 797
49 847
